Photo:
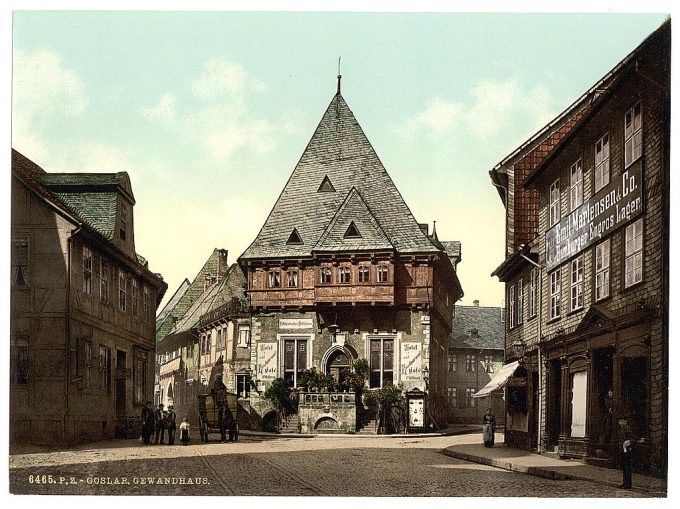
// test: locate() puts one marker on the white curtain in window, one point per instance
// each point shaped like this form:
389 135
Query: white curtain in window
578 404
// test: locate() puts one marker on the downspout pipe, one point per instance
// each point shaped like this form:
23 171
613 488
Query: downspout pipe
539 445
67 338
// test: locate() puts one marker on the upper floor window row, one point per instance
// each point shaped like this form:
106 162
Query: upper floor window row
343 275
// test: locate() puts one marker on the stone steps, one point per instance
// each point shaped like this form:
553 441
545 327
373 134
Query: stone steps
290 425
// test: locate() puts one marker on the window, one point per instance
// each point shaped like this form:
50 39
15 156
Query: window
383 273
243 336
104 368
601 162
364 274
577 283
123 220
122 291
206 344
220 339
602 253
294 237
488 363
139 377
555 202
87 271
18 360
344 275
469 400
243 385
633 253
633 134
87 363
452 362
104 278
576 187
533 287
381 361
555 294
20 261
147 303
511 302
520 302
274 279
135 297
470 361
325 275
453 397
294 359
352 232
292 279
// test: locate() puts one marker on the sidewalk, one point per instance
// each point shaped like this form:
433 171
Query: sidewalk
551 467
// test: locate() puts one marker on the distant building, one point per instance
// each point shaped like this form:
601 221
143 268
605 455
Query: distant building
476 353
82 307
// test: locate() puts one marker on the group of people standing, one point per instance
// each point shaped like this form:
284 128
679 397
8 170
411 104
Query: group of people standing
158 421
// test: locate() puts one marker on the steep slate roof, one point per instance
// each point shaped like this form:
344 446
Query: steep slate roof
353 210
487 321
170 305
339 150
96 209
452 248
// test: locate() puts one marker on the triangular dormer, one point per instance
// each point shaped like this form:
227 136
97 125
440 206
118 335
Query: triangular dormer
352 232
596 316
326 186
294 237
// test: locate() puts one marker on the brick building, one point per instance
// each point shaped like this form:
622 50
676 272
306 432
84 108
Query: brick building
342 271
82 307
476 350
586 271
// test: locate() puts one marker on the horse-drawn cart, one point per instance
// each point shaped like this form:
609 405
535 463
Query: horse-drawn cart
209 412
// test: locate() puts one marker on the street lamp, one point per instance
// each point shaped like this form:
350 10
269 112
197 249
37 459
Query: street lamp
518 349
334 328
426 377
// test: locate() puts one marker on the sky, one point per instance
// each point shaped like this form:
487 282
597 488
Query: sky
210 111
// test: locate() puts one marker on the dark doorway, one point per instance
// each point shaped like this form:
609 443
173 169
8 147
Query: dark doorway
534 409
554 413
338 366
602 408
121 364
634 398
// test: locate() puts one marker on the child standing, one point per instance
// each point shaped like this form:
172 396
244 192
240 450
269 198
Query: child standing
184 431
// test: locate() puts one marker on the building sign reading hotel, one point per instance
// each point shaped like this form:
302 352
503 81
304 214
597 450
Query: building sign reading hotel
266 361
614 205
411 361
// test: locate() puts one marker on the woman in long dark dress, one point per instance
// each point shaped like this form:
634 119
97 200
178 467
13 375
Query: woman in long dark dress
489 428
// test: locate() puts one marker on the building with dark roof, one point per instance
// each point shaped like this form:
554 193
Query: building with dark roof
586 268
82 307
476 353
341 271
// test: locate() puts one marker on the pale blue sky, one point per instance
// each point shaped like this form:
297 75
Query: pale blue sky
209 112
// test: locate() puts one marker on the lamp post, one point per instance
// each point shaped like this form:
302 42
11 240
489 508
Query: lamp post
426 377
334 328
518 349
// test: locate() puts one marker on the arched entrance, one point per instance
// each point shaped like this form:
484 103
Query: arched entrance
338 363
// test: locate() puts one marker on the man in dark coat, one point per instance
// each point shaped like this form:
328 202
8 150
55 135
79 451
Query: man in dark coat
224 421
233 430
159 417
171 421
626 441
147 423
489 428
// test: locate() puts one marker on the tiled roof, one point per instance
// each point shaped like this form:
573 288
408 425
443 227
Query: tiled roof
452 248
353 210
96 209
170 305
81 179
487 322
340 151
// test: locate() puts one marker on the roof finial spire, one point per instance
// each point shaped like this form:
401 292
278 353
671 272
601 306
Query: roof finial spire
339 75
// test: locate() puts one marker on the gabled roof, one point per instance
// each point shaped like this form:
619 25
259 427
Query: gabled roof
340 151
93 182
170 305
96 209
353 211
485 320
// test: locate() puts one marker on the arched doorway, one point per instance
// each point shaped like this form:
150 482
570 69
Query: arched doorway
339 364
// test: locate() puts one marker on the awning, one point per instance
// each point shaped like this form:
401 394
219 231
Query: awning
499 381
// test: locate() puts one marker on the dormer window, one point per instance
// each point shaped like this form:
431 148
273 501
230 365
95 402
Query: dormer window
326 186
294 237
123 220
352 232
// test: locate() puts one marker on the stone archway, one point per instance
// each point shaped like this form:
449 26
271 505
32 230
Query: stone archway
338 362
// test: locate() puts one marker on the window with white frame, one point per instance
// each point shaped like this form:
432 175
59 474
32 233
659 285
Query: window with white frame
344 275
488 363
555 202
453 362
520 302
104 368
274 279
292 278
511 304
87 363
533 289
87 270
135 297
469 400
243 385
633 134
104 279
220 338
633 264
577 283
453 397
576 185
325 275
383 272
555 287
470 363
381 361
601 162
243 336
364 273
19 261
602 254
122 291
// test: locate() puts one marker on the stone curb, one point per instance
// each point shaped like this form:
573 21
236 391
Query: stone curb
265 434
539 471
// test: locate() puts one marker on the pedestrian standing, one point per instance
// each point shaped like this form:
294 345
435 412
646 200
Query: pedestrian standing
184 432
171 421
231 424
223 422
626 450
489 428
159 418
147 423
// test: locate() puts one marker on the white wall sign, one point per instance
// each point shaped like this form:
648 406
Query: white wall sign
295 323
411 361
267 361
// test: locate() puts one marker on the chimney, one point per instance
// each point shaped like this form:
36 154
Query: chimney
222 265
208 281
475 303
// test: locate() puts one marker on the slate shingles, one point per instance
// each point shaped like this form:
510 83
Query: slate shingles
487 321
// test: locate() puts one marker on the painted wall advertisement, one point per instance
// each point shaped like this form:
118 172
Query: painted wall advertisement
614 205
411 361
266 361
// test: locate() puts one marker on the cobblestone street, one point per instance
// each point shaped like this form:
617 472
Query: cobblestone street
371 466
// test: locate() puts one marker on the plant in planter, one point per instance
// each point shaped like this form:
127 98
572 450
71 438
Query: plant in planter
315 381
389 401
279 394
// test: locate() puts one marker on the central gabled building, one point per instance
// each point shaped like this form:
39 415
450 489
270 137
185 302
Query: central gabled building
341 270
